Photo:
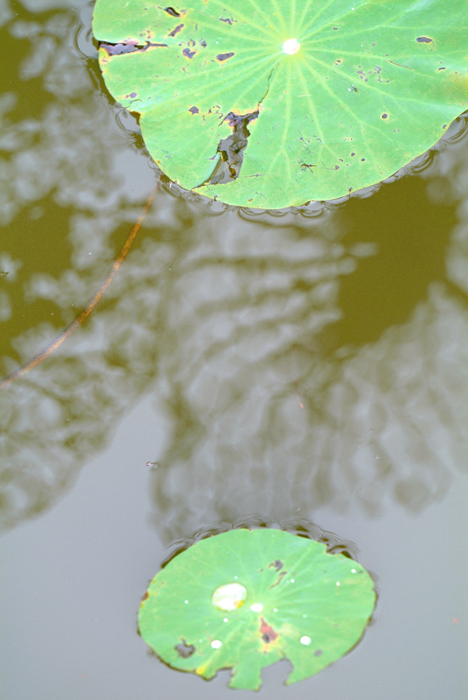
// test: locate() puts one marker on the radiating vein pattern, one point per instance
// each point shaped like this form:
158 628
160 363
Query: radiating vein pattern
358 92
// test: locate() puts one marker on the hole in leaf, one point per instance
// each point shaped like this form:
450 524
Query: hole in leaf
185 650
232 147
128 46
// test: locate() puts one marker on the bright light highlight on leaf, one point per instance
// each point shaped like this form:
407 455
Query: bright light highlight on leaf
291 46
229 597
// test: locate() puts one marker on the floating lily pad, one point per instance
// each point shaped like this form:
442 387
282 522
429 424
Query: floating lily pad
300 100
248 598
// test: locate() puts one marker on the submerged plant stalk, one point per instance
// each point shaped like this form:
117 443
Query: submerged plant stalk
90 306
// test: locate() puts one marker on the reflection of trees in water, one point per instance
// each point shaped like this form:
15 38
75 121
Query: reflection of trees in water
286 387
301 362
64 168
69 191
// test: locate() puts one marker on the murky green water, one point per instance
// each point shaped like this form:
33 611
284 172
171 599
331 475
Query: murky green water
305 366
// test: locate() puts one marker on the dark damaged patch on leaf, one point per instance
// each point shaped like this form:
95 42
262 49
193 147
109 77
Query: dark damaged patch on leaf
176 30
145 597
319 652
224 56
267 633
171 11
185 650
129 46
424 40
231 148
278 580
277 564
384 115
194 110
132 95
228 20
189 53
123 47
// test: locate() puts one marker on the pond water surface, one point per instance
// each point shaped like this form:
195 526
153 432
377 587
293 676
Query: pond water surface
299 366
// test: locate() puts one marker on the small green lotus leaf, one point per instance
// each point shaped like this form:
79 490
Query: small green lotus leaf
248 598
322 97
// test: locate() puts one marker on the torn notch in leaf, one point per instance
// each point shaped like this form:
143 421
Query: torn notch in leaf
232 148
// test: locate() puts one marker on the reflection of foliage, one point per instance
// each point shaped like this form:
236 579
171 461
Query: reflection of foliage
245 599
284 409
293 365
58 176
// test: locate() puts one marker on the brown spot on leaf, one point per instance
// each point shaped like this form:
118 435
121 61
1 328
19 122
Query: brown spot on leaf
224 56
277 564
171 11
194 110
384 115
131 95
278 580
184 650
424 40
176 30
267 633
145 597
189 53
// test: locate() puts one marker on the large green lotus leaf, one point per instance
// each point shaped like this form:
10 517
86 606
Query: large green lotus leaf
247 598
374 84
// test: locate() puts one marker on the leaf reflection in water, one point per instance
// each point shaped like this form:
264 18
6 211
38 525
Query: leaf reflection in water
233 322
